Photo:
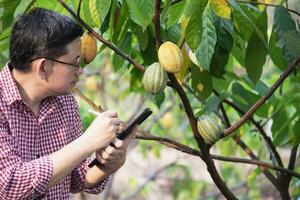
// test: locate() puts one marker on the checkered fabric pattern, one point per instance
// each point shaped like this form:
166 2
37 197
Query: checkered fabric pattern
26 141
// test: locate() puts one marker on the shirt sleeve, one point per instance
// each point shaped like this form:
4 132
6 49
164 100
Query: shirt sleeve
79 173
78 179
19 179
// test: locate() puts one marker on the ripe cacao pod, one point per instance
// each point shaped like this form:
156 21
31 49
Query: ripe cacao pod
209 128
155 78
88 48
170 57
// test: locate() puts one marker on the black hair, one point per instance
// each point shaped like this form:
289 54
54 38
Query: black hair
40 33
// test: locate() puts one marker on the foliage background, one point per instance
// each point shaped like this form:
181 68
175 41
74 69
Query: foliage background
239 54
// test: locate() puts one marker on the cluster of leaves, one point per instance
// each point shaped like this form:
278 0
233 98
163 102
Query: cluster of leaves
229 47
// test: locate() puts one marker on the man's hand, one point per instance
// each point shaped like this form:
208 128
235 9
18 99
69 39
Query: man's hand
113 156
103 130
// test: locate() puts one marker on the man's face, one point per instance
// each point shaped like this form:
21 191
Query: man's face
63 76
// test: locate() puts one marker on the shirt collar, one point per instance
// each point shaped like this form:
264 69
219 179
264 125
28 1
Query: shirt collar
8 85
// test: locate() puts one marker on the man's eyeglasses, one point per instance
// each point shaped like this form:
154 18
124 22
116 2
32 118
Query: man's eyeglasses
62 62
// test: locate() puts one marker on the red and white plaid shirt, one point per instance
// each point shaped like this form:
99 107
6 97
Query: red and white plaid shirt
26 141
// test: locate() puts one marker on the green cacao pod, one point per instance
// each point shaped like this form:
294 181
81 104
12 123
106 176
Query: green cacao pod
155 78
209 128
170 57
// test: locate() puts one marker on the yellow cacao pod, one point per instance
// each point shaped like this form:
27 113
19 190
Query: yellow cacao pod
209 128
88 48
167 120
91 83
170 57
155 78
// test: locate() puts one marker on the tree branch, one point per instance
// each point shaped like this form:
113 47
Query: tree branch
267 4
100 38
157 23
260 129
238 140
171 143
189 150
292 163
204 147
263 99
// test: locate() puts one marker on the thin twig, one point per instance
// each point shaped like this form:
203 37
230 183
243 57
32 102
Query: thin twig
79 8
87 100
267 4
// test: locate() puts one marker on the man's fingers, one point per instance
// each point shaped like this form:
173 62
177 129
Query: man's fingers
117 143
110 113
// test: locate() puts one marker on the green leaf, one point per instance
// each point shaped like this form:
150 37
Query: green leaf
222 49
286 33
159 98
239 48
103 9
206 47
120 22
280 127
93 4
149 55
295 133
191 7
118 61
173 33
221 8
7 8
252 176
290 41
4 39
23 7
194 31
246 98
256 51
276 53
201 82
174 13
242 25
194 28
141 11
238 8
255 57
85 13
142 37
212 104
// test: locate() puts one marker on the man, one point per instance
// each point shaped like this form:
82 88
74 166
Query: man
43 153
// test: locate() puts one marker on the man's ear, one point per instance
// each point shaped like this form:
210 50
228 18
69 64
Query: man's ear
43 69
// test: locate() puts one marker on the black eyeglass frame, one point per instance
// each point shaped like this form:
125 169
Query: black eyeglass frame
62 62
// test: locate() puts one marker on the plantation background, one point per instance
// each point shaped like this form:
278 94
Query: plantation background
239 52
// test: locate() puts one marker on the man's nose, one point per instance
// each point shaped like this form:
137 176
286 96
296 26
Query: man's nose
79 71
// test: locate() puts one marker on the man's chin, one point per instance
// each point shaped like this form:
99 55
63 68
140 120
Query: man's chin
66 92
